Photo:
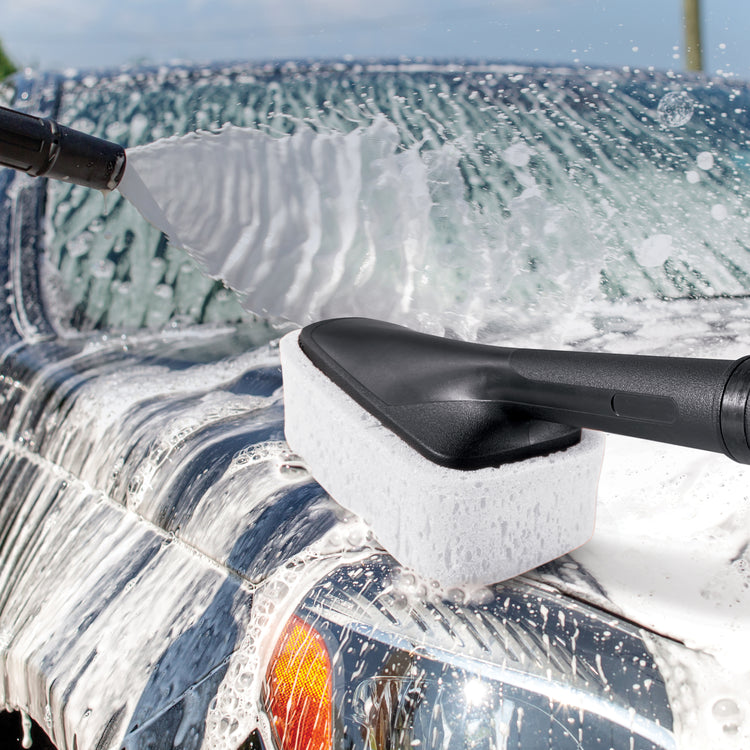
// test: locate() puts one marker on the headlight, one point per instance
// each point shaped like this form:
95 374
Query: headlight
527 669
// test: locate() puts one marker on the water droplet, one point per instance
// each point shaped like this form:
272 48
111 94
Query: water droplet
26 742
728 714
456 595
292 468
705 160
719 212
163 291
675 109
518 154
407 579
654 250
355 537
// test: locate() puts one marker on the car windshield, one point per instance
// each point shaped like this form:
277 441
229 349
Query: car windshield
530 192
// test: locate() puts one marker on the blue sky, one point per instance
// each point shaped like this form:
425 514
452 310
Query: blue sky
106 33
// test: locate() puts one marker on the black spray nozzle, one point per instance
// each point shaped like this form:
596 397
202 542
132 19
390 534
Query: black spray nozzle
467 405
43 148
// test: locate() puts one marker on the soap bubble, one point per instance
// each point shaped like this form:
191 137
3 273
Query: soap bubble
728 714
654 250
719 212
518 155
705 160
675 109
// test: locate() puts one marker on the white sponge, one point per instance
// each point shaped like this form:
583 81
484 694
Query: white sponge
453 526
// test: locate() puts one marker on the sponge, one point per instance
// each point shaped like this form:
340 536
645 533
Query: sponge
454 526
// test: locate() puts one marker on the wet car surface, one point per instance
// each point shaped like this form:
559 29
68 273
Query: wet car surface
172 576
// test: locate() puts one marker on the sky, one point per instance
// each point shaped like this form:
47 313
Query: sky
95 34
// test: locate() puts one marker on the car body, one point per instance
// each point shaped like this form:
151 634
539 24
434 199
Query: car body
172 576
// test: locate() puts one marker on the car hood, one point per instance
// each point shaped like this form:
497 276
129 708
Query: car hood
157 527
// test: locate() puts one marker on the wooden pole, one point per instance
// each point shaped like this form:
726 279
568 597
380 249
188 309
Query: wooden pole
693 46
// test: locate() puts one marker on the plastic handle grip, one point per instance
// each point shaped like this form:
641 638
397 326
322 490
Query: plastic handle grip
669 399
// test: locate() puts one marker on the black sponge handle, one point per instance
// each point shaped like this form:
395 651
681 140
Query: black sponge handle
425 387
43 148
700 403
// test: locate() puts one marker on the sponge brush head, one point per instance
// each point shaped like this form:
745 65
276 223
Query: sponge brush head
457 527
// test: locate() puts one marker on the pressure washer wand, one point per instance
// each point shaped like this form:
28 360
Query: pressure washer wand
42 147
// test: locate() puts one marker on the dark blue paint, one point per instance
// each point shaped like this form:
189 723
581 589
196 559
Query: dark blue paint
280 528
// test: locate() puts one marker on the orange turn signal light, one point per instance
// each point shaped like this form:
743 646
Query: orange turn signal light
299 689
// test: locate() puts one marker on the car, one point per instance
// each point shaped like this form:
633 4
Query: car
171 574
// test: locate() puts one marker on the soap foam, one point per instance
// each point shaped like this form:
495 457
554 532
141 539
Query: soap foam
454 526
672 545
307 225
